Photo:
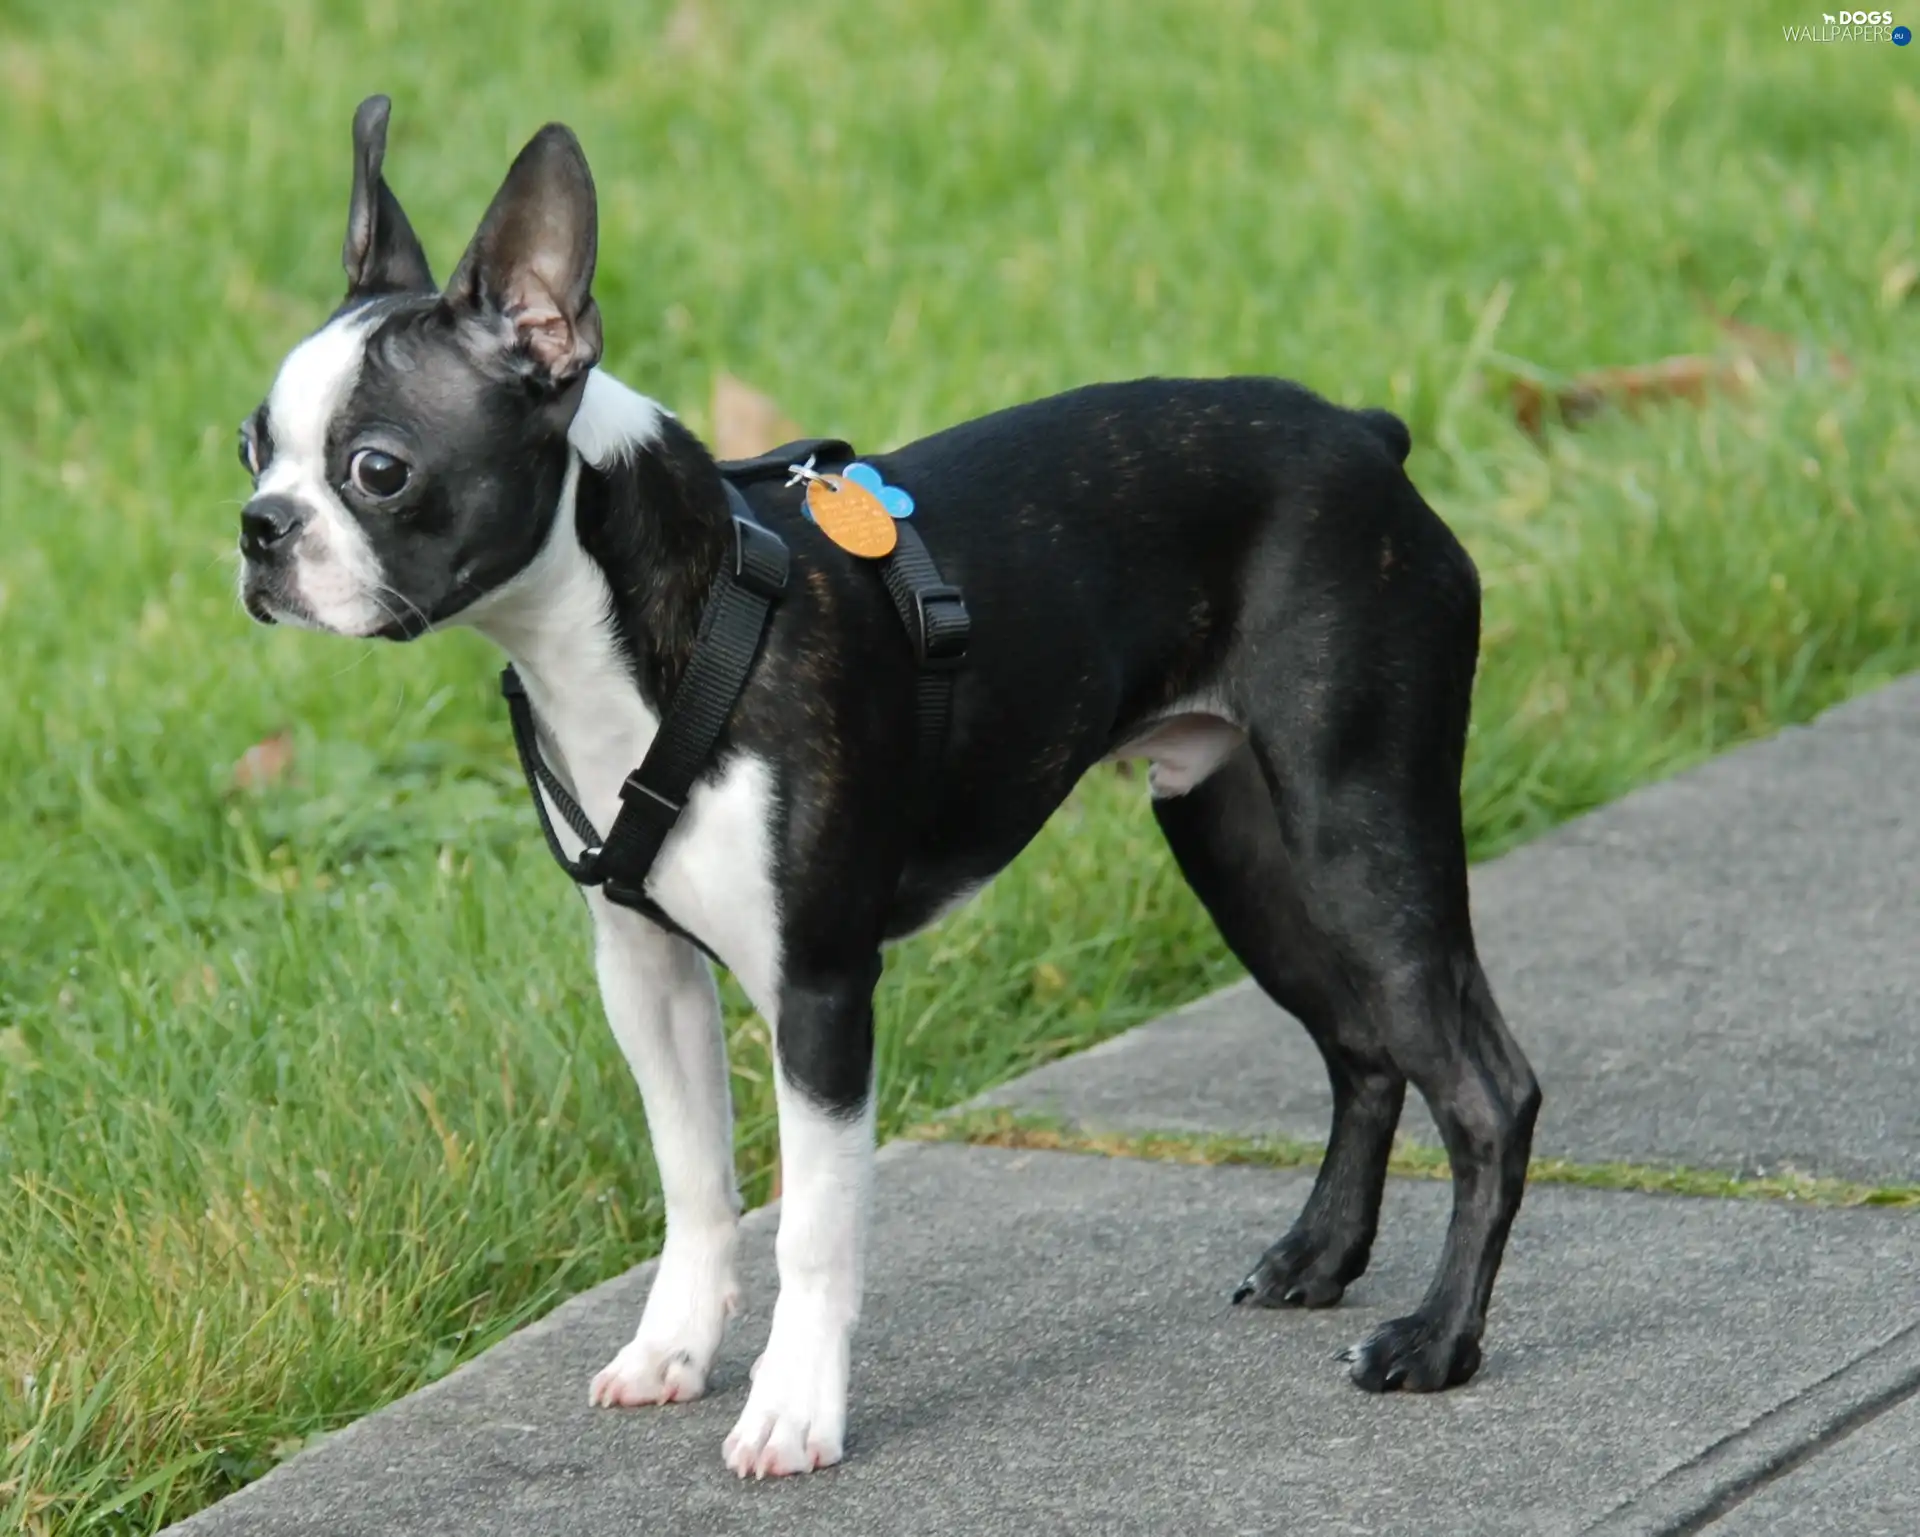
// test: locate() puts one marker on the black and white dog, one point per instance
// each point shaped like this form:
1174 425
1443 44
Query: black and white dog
1233 579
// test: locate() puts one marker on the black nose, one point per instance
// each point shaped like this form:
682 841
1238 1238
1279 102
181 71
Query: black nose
265 523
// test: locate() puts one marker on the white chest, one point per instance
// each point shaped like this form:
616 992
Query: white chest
714 875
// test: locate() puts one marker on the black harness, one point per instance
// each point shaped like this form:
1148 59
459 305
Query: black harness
738 609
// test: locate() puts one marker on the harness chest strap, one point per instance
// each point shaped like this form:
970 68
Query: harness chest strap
732 625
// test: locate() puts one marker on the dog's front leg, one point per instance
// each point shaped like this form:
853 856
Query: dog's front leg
661 1002
796 1415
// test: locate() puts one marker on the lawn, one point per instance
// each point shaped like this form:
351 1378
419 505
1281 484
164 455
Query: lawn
306 1095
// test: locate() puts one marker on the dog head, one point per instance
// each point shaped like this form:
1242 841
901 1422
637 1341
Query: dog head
411 453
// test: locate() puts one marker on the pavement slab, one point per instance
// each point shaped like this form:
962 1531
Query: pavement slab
1868 1486
1047 1347
1721 970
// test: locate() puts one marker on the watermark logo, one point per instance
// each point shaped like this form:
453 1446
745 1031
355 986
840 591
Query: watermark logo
1850 27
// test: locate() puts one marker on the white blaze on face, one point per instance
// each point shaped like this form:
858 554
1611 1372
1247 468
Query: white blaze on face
335 575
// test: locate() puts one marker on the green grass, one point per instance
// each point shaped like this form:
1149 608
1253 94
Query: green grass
305 1094
1410 1160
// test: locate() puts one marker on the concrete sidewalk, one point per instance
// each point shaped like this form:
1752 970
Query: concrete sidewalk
1722 971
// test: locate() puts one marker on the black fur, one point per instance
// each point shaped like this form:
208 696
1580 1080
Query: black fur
1240 548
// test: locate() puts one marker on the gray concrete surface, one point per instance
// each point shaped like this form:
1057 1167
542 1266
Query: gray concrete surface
1812 1428
1868 1486
1047 1348
1896 706
1721 970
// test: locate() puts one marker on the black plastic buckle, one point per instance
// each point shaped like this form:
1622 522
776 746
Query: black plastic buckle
944 648
622 895
760 559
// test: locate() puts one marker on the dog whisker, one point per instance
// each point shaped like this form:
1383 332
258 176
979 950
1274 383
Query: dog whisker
426 624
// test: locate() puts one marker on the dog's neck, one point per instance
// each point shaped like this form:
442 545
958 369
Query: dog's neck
602 621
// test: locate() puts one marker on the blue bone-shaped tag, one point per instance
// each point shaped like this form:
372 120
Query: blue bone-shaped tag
897 502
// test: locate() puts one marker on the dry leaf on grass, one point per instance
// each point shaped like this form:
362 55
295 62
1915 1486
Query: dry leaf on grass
1753 350
747 422
265 763
1784 353
1680 378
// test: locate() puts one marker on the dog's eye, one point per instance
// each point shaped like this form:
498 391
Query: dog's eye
252 456
377 475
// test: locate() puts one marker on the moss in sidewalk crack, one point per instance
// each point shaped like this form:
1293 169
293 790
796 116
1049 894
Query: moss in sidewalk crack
1011 1129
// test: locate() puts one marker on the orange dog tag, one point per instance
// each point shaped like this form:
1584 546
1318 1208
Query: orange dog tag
851 516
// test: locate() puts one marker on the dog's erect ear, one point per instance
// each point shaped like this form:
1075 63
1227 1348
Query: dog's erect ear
381 254
531 261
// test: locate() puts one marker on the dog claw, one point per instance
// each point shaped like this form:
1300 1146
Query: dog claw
1413 1355
1301 1271
648 1373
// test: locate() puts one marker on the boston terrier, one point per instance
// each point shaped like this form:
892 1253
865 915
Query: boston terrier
1232 579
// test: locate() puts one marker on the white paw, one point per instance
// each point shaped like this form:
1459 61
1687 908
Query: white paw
650 1372
796 1415
667 1361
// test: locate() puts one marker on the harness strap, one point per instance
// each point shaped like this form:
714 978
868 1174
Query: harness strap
736 615
939 628
932 611
655 793
732 626
776 463
541 778
584 871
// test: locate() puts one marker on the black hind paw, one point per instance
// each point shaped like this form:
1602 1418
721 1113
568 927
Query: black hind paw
1299 1272
1413 1355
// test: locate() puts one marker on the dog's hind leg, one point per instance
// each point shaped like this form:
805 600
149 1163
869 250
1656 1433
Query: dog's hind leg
1226 839
1447 1034
1362 758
